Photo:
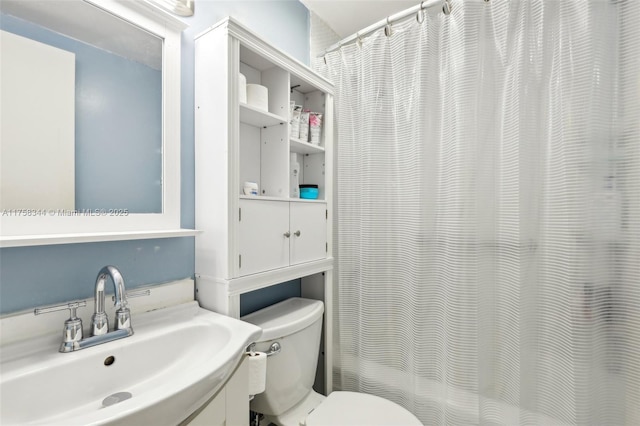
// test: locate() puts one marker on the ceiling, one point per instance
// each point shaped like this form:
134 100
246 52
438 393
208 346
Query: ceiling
346 17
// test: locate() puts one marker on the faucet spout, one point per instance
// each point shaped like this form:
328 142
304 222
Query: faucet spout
99 319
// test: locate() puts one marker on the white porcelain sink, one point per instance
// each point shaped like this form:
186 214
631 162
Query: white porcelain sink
176 360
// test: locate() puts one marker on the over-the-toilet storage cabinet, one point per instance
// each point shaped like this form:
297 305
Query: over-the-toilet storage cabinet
251 242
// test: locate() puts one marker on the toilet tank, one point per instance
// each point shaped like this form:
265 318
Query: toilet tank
296 324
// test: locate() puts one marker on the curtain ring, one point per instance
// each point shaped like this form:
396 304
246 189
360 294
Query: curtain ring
420 14
446 9
387 28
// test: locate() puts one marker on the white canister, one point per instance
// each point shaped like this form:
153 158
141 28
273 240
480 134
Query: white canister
242 88
258 96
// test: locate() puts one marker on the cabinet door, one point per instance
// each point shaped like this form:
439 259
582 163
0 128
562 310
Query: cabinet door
308 225
262 242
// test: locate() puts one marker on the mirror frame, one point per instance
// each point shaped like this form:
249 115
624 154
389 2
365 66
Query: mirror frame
25 228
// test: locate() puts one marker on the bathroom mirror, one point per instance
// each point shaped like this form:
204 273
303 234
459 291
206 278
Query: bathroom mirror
90 134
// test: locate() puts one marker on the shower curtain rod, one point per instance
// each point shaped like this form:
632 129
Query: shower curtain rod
446 9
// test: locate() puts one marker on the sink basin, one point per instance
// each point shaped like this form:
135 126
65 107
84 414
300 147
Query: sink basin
177 359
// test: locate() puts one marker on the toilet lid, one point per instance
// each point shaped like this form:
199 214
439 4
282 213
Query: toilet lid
352 408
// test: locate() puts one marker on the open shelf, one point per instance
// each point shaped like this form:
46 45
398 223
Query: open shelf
295 200
301 147
259 118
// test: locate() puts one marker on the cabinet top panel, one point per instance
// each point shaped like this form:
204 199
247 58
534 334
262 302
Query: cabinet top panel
260 55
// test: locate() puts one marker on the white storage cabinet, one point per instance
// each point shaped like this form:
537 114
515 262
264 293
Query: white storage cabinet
251 242
276 234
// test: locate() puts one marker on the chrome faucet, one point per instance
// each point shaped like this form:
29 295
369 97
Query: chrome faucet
72 337
99 320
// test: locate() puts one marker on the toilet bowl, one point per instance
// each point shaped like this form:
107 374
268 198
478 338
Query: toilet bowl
296 325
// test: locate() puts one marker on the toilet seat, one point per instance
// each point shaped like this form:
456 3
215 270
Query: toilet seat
342 408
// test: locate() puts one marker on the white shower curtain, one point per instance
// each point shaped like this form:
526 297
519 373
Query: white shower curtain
488 199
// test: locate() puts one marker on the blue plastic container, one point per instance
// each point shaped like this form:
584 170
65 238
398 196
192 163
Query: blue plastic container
310 192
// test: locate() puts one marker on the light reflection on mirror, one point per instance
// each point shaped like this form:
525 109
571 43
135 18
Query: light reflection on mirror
114 127
179 7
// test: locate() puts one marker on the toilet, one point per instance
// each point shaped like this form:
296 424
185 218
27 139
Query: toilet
289 400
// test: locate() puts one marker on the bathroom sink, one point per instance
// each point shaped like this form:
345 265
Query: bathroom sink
177 358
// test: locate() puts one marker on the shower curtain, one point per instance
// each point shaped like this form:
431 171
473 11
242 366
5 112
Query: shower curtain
488 213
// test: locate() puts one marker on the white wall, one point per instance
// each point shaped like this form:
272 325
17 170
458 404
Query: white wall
321 37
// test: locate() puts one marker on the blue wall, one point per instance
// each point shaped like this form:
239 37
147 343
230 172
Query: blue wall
258 299
33 276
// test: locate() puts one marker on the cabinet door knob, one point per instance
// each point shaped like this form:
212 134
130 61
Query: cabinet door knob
297 233
287 234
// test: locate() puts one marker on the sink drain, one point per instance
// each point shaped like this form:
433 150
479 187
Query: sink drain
116 398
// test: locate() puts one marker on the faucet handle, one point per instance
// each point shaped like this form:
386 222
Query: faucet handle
73 306
134 293
123 314
123 319
72 331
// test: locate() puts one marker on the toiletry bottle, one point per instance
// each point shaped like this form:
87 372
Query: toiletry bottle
294 167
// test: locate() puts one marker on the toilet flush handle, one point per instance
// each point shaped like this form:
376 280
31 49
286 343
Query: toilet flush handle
274 349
